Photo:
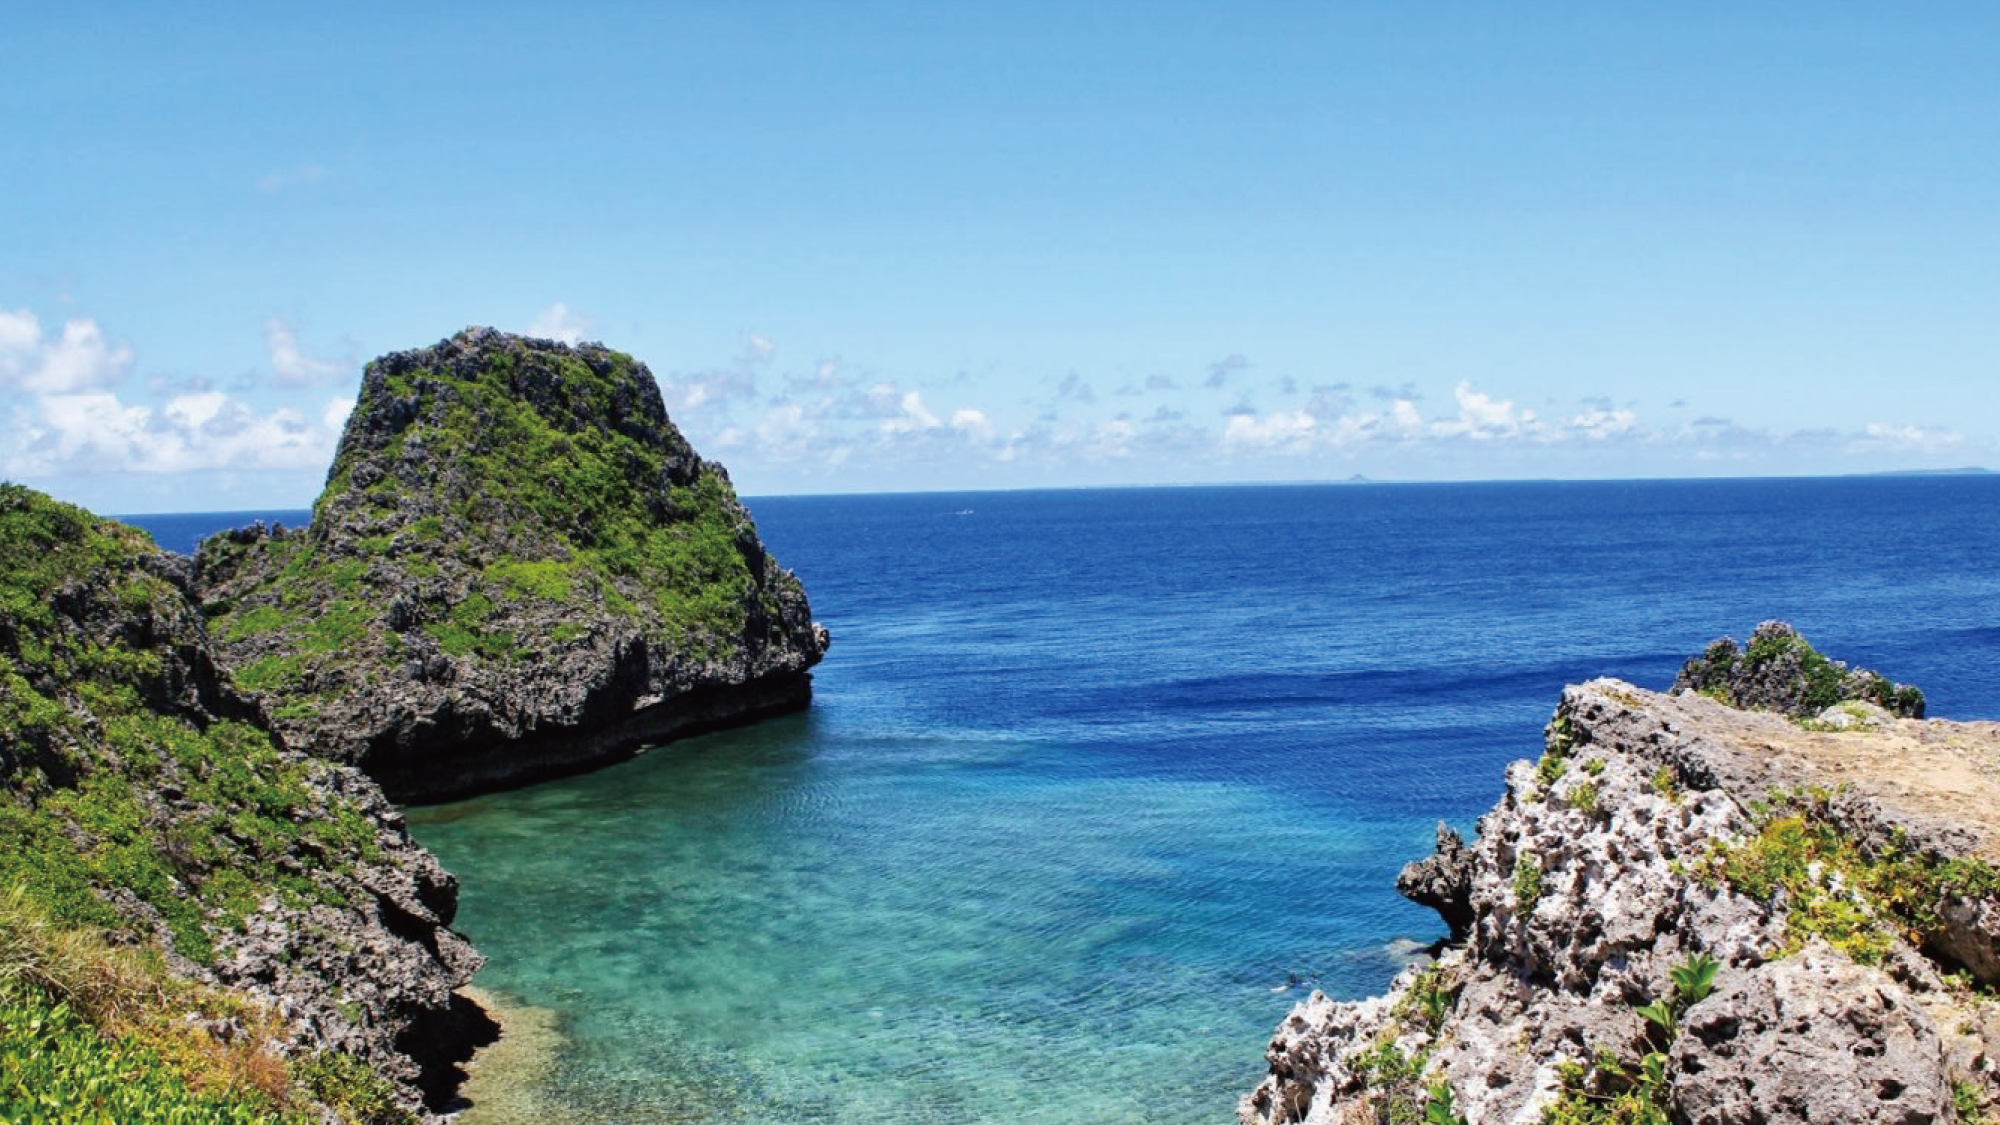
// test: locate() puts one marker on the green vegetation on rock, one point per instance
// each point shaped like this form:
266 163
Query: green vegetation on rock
494 501
548 484
1527 882
1780 671
93 1034
1611 1092
141 799
1857 899
109 784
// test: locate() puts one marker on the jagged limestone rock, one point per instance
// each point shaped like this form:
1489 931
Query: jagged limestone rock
1442 881
143 795
1810 1038
1661 828
518 568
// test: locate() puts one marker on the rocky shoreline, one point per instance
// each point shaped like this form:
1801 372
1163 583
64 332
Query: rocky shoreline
518 569
1688 911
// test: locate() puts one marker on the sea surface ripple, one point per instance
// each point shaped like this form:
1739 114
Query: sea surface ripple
1097 783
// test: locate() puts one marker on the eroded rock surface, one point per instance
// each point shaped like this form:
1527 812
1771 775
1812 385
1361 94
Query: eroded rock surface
1815 1038
1658 832
141 794
1442 881
518 568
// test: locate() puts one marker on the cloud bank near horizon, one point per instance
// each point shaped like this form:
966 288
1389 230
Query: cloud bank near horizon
79 419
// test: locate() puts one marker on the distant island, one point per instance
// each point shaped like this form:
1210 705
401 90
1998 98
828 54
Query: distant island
1967 471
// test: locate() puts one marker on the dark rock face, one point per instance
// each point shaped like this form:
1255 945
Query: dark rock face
518 568
142 794
1442 881
1779 671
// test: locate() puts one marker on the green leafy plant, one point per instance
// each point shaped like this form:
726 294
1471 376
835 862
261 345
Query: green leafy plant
1661 1014
1608 1092
1438 1108
1666 784
1527 882
1550 769
1836 889
1428 1000
1965 1103
1694 979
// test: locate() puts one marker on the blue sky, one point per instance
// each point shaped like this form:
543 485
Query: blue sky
893 246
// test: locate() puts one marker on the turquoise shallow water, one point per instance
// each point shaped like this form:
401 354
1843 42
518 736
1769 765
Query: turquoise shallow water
818 920
1097 784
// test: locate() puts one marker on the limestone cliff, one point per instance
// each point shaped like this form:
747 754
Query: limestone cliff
142 795
518 568
1691 912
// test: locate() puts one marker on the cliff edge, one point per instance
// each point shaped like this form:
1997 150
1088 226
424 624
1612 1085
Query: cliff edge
1691 912
518 568
143 797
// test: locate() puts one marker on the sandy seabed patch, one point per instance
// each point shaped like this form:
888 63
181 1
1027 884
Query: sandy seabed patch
505 1079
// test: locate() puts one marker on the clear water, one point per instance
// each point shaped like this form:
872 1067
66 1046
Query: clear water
1096 784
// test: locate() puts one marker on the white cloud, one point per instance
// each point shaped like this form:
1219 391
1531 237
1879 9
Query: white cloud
760 349
785 433
293 366
913 417
81 359
1113 438
334 415
1482 417
1884 436
1400 423
1404 421
1600 423
971 421
1280 431
193 411
95 432
558 323
708 388
19 333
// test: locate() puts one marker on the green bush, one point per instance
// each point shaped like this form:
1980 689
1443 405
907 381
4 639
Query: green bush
1527 882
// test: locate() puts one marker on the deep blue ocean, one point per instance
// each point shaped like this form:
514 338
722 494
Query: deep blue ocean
1096 784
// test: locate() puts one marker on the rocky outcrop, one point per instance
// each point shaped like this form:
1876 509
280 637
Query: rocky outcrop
518 568
142 794
1690 912
1443 882
1779 671
1813 1037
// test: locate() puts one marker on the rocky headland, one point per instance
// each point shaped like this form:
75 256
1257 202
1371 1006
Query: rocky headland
1692 911
210 910
518 568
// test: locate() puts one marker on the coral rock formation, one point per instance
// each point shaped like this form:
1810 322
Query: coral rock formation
1687 911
